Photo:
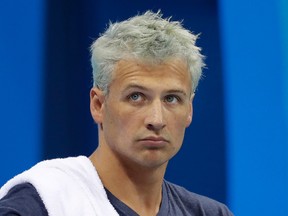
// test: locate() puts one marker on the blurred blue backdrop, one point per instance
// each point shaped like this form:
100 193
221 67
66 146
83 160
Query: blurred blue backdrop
236 149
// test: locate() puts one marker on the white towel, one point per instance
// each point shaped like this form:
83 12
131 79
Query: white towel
68 187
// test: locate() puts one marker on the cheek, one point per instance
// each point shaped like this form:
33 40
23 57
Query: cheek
177 126
180 122
183 117
120 121
110 120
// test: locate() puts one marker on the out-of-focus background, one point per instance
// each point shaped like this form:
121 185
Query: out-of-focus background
236 150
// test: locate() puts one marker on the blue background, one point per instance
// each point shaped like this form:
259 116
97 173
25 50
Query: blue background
235 151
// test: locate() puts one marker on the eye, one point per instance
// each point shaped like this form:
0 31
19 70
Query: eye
135 97
172 99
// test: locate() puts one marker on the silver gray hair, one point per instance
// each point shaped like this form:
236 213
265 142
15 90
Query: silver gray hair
148 38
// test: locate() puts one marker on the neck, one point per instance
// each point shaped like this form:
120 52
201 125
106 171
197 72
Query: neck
138 187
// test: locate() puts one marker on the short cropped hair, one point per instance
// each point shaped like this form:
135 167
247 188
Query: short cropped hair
148 38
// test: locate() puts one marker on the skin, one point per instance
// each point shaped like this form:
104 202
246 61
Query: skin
142 122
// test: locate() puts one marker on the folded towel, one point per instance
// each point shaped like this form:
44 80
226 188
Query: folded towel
68 187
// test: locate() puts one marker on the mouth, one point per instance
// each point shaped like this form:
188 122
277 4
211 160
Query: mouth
154 142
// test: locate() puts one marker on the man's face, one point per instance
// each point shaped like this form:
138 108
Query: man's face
144 116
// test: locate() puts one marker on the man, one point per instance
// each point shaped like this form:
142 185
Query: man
145 72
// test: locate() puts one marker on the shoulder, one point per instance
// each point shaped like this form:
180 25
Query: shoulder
181 198
51 175
22 199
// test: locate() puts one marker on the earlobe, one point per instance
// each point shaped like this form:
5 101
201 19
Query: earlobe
190 115
189 120
96 104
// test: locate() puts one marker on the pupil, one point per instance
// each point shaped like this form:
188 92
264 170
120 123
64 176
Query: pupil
135 96
169 99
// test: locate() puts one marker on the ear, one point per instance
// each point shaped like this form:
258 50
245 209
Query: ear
97 98
190 114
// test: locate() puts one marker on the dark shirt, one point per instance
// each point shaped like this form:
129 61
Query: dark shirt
24 200
177 201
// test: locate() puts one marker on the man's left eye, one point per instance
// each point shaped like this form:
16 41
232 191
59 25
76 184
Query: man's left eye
172 99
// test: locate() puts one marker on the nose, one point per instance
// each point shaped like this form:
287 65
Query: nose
154 117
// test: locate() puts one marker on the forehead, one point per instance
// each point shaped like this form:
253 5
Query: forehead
132 69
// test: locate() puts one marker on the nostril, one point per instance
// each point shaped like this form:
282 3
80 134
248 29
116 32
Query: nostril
155 127
150 127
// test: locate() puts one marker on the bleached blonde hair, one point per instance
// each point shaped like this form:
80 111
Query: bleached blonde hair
148 38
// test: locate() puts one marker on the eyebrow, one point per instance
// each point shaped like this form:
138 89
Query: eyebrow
178 91
133 86
136 86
